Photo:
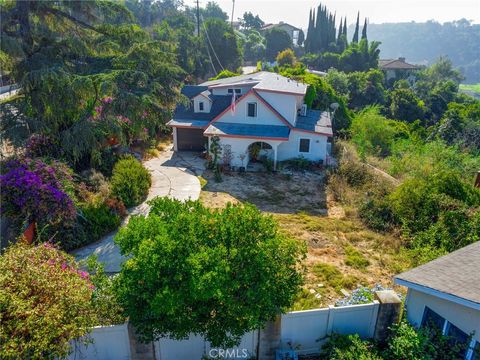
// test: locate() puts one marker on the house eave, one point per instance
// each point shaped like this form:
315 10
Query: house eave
437 293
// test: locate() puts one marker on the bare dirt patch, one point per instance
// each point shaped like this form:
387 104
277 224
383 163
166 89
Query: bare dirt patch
342 252
283 193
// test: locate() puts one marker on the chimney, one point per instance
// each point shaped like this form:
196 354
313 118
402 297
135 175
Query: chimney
402 59
477 180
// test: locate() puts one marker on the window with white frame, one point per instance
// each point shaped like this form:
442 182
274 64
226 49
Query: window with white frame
304 146
252 109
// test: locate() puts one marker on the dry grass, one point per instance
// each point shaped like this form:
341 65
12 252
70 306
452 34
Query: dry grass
342 252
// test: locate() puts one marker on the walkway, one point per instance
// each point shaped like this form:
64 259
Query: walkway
173 175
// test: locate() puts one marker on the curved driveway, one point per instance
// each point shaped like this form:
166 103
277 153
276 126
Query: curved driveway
173 175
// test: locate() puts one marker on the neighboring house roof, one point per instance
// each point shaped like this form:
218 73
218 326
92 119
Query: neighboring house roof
315 121
271 26
248 130
454 277
262 80
396 64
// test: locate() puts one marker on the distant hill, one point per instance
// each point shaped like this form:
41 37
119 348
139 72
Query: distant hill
423 43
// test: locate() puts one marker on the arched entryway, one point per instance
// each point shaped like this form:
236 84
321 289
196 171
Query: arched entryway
261 152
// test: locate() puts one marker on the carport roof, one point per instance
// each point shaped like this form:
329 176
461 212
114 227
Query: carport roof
188 123
272 132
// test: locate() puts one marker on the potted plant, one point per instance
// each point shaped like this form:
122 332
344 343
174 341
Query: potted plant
254 151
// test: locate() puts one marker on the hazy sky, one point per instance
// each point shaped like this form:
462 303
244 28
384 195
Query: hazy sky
295 12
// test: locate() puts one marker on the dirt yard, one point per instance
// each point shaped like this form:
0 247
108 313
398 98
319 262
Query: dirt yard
342 253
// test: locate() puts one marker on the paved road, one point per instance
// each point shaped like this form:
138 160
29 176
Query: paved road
173 175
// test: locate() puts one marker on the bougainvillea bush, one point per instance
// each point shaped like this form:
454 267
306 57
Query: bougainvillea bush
32 190
45 302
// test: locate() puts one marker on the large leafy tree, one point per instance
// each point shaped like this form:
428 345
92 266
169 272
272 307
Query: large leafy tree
276 40
45 302
217 273
86 75
222 44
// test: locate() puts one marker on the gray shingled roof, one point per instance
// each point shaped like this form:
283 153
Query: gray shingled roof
456 274
315 120
262 80
219 103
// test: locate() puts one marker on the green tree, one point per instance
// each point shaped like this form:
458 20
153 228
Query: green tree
98 67
286 58
216 273
406 106
45 302
213 11
301 38
249 21
224 48
357 29
364 30
254 46
276 40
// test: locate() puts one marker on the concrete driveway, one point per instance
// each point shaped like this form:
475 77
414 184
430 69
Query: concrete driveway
173 175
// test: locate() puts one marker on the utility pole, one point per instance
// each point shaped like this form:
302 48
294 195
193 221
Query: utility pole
233 9
198 18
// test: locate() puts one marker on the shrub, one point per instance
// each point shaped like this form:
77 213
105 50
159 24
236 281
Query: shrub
100 218
349 347
286 58
45 302
231 262
32 190
377 214
331 275
355 259
130 181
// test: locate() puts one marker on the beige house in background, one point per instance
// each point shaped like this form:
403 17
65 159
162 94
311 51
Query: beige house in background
290 29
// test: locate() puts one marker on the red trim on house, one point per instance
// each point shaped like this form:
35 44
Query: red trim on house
259 97
282 92
312 132
247 137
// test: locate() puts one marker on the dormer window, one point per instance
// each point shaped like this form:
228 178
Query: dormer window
201 106
237 91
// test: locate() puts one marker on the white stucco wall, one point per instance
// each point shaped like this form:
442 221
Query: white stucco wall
290 149
285 104
465 318
264 115
207 104
240 146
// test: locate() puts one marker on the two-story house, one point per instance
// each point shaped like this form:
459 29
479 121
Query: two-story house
262 110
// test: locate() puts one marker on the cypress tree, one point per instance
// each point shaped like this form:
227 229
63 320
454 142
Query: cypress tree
345 27
309 33
357 28
364 31
340 31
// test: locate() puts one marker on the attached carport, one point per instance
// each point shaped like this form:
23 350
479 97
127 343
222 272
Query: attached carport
188 135
190 139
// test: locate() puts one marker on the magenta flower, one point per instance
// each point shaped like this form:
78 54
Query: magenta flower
107 99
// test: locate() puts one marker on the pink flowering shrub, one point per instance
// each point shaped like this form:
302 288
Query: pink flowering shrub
46 301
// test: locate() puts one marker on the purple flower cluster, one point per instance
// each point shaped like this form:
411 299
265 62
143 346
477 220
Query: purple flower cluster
32 190
124 119
361 295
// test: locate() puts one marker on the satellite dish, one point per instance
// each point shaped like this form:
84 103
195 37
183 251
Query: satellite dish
334 106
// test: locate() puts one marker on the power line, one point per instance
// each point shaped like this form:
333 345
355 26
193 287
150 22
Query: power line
208 38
